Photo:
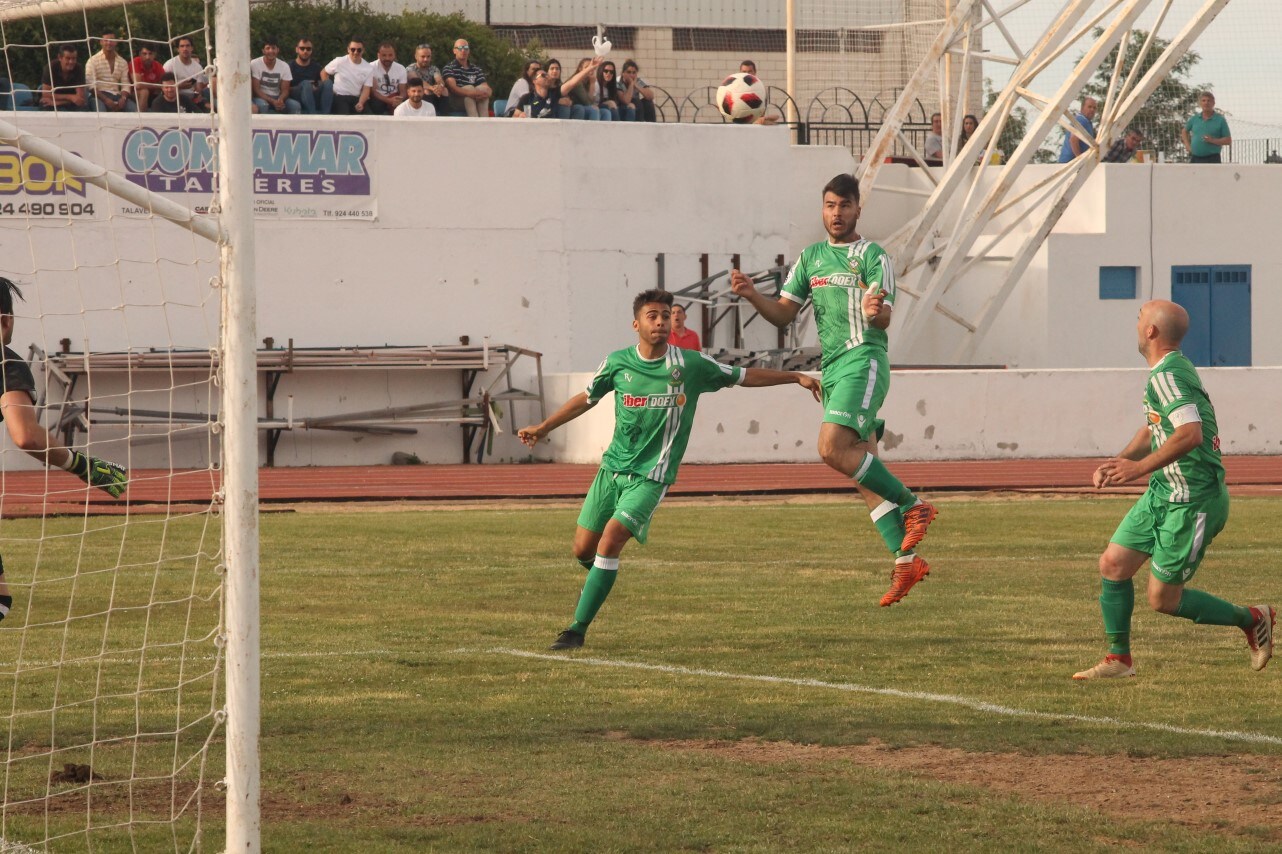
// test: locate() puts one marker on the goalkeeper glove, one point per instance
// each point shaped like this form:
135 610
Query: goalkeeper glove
108 476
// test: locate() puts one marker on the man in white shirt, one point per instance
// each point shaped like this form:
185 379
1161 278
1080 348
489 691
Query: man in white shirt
270 79
189 71
350 74
385 90
107 74
414 106
934 147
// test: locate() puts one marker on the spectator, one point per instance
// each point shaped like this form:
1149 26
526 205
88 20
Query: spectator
522 85
311 93
682 336
1073 147
934 148
1205 133
146 73
107 73
1123 151
167 101
748 67
970 124
414 106
189 71
351 75
608 94
581 91
434 91
63 85
270 81
387 82
537 103
469 93
637 93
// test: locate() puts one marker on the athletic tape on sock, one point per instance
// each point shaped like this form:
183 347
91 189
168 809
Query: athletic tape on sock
610 564
882 509
864 466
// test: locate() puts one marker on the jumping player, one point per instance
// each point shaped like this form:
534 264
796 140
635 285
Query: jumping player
851 282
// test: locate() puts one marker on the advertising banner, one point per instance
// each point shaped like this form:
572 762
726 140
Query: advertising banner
298 174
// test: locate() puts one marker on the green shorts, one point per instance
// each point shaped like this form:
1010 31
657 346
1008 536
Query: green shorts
854 389
628 498
1175 535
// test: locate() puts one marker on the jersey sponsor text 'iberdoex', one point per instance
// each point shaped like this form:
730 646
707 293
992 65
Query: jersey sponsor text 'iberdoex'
1174 396
654 405
835 276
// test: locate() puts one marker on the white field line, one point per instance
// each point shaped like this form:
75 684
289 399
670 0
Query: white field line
920 696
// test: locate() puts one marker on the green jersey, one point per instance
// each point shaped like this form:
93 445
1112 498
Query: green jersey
834 276
1175 396
654 403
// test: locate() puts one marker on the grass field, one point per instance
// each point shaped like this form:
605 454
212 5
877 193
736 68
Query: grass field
742 691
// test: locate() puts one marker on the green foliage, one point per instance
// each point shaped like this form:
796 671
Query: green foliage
329 26
1175 99
1016 127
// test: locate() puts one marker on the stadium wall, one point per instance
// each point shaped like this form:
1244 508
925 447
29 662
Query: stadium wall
539 234
939 415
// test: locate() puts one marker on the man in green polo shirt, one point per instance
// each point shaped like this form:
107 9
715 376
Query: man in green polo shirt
851 283
1205 133
656 387
1184 507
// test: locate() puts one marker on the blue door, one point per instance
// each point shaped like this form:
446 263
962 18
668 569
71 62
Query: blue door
1218 300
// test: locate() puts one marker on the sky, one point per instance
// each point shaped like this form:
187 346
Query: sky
1241 54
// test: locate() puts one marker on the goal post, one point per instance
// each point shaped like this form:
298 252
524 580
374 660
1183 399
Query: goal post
240 412
99 622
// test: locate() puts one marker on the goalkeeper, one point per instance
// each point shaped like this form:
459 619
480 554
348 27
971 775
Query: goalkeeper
18 411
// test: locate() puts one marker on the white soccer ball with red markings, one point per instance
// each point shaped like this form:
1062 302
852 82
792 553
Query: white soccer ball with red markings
742 98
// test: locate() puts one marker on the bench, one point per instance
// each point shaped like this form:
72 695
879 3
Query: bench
485 380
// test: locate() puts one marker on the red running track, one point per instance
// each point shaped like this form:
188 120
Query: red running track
33 493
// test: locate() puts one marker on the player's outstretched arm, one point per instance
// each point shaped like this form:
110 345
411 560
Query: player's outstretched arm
780 312
758 377
26 432
570 410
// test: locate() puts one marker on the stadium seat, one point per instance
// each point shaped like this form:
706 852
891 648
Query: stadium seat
500 107
23 98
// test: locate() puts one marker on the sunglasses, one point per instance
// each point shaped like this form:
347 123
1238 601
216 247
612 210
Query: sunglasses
304 48
463 48
356 50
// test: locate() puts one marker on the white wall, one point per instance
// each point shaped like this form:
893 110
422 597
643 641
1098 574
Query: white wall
1151 216
938 415
539 234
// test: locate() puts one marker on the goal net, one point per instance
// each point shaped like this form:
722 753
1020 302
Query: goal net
114 653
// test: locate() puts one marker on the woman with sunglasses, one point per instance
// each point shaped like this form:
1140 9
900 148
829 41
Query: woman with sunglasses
608 91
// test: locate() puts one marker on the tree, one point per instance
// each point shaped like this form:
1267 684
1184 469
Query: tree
1016 127
1170 105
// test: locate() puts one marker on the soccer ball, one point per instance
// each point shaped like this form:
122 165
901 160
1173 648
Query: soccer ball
741 98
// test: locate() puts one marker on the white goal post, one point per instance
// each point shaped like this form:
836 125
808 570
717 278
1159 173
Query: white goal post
229 225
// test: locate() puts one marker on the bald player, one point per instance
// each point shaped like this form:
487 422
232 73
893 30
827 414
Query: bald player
1184 507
